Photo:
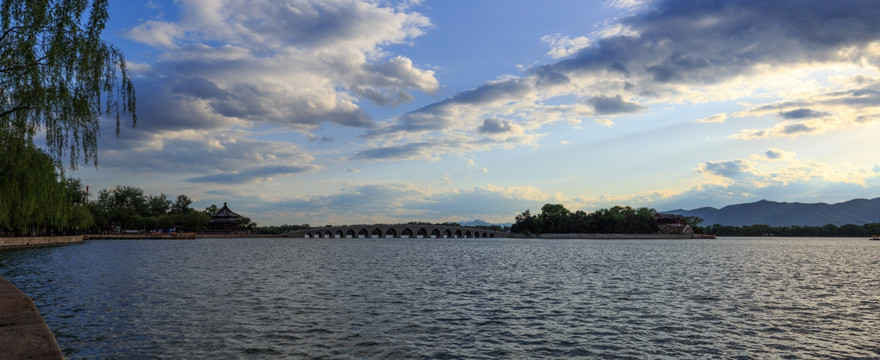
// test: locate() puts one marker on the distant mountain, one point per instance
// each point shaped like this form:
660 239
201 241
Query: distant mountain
478 222
858 211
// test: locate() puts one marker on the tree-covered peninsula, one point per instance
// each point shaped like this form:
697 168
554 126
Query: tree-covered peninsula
556 219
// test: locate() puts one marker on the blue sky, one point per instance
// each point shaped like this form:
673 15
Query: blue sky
342 111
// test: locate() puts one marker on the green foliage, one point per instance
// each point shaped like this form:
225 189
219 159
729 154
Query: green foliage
211 210
182 205
58 75
556 219
127 208
34 197
280 229
247 224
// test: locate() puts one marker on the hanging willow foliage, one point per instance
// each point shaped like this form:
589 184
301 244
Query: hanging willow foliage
58 76
34 197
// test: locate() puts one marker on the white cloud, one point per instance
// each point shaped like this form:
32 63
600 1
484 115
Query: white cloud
156 33
295 64
562 46
604 122
625 4
717 118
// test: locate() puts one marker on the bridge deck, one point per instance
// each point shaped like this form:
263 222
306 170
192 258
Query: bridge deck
397 231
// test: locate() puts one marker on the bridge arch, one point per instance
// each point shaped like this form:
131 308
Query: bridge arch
395 231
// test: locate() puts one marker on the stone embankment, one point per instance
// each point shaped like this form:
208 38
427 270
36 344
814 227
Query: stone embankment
23 332
9 242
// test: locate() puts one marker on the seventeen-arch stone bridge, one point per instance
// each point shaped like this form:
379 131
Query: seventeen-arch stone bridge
397 231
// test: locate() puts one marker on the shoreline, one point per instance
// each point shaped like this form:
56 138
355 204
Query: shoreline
168 237
24 334
28 241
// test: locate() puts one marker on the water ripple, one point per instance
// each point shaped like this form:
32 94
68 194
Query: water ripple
419 298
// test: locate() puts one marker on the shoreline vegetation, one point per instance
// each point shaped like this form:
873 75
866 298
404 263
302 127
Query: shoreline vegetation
122 211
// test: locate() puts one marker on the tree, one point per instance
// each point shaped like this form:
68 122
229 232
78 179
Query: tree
124 205
181 206
59 76
211 210
158 205
34 197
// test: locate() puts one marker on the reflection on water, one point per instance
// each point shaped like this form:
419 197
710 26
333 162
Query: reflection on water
456 298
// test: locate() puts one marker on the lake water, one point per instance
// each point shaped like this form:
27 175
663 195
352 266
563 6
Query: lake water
457 298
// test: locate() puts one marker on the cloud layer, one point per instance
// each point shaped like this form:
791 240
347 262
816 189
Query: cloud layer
245 92
678 51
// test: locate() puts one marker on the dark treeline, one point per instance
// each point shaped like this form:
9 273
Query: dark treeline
455 224
280 229
829 230
556 219
123 208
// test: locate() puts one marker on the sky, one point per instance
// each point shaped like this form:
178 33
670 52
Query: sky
348 112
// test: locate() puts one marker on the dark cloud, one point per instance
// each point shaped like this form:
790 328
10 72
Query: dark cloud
399 152
802 113
494 91
160 108
494 126
792 129
605 105
437 116
434 147
680 42
322 23
322 139
707 41
203 155
728 169
249 175
382 98
773 154
200 88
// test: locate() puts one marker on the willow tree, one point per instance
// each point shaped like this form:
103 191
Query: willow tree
59 77
34 197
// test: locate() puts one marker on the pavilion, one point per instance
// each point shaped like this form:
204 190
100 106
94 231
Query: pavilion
224 220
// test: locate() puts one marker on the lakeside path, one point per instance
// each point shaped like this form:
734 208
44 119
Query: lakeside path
23 332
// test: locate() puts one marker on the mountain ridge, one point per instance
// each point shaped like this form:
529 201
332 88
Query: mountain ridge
855 211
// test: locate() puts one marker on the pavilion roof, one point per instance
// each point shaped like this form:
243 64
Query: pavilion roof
224 214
